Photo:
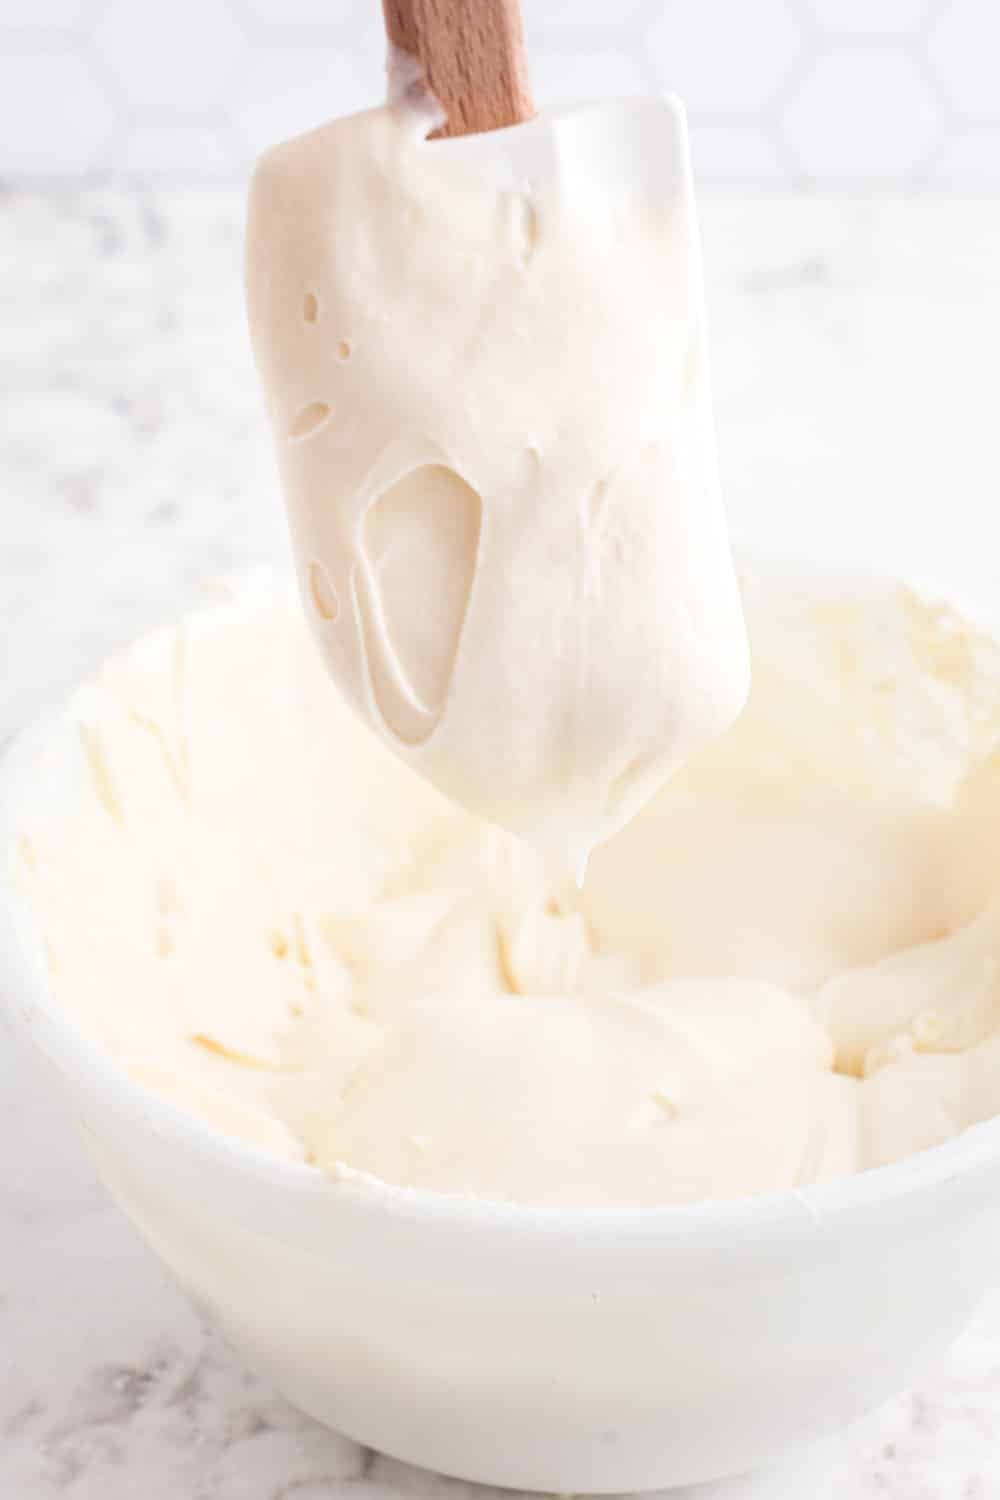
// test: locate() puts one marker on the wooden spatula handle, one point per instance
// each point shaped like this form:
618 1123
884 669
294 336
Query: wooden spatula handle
473 56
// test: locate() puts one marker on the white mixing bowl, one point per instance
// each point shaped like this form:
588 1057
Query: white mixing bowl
550 1349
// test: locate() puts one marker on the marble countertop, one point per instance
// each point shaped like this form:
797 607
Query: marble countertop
855 366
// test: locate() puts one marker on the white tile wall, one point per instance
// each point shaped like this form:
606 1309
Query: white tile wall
862 116
892 93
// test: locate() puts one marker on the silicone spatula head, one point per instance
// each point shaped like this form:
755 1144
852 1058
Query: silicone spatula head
486 366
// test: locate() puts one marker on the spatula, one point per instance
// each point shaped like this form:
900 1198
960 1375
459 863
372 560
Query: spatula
486 366
472 57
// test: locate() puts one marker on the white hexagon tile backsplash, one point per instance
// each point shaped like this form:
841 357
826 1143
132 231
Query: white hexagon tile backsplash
781 93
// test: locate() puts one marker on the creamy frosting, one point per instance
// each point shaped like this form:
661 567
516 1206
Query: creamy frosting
786 969
491 410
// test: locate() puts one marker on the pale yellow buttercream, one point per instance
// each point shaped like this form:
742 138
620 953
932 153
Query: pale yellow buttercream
788 968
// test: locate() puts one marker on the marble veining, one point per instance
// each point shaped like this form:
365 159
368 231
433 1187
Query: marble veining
853 367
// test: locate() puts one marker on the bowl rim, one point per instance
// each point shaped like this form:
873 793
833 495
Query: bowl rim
927 1181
